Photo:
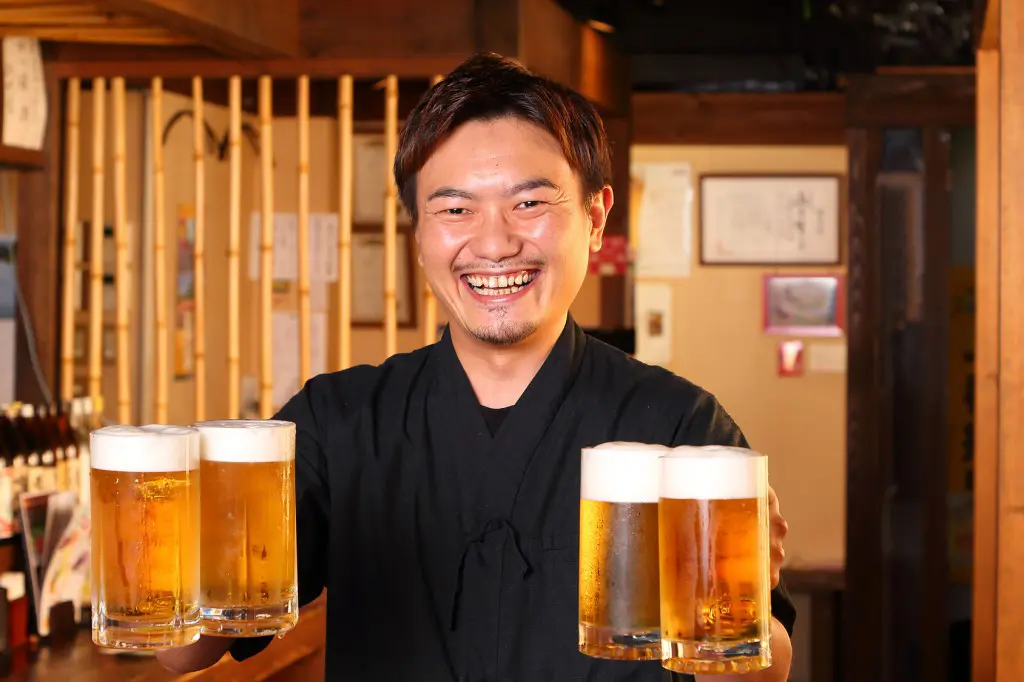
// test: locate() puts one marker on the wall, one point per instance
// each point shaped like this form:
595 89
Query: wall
719 344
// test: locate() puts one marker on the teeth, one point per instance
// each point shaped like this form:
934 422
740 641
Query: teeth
499 285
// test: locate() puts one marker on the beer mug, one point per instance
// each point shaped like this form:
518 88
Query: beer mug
715 585
618 580
249 569
145 536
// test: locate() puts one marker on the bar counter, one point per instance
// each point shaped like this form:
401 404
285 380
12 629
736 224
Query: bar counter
297 656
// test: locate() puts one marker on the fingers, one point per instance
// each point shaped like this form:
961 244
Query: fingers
778 530
778 557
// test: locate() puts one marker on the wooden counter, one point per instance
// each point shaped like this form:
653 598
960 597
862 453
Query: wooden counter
298 656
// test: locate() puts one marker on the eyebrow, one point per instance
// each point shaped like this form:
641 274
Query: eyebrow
525 186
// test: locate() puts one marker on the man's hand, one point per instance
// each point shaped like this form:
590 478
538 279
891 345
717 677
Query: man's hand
198 656
778 529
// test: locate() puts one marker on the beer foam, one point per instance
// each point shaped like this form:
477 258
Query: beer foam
713 472
621 472
144 449
247 440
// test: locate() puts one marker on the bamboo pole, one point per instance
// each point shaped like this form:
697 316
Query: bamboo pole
159 251
234 243
429 301
122 282
199 248
71 173
99 91
305 361
390 216
266 247
345 191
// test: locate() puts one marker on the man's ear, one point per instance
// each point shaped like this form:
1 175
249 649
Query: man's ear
600 207
419 247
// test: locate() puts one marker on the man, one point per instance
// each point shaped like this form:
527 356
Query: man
438 494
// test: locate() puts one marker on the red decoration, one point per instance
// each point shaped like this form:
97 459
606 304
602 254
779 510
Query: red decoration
791 358
613 258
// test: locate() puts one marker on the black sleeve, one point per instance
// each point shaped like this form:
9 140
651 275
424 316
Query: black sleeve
709 424
311 505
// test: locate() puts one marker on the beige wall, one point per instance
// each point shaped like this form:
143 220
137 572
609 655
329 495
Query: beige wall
719 344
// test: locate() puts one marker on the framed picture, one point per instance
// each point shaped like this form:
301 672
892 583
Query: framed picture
370 172
368 276
804 305
770 219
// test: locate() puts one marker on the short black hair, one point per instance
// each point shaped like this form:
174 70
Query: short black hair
488 86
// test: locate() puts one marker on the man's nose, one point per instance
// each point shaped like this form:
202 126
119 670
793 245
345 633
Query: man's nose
496 239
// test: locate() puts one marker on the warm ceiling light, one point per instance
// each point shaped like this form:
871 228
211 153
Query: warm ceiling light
600 26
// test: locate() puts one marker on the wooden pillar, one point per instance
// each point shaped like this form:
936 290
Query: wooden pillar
39 263
614 287
999 388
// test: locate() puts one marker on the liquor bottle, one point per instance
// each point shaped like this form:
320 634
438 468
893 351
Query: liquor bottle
20 451
70 442
8 527
51 431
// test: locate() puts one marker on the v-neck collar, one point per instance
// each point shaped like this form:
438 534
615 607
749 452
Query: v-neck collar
534 409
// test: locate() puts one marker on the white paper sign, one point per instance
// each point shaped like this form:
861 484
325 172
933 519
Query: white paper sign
665 229
318 343
285 356
323 247
25 107
827 357
653 322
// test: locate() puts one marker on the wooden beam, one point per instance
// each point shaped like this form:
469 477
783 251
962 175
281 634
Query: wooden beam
869 424
239 28
986 370
748 119
912 99
39 261
614 287
359 67
1010 481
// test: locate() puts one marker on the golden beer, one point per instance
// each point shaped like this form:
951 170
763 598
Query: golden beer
715 585
249 569
618 580
145 537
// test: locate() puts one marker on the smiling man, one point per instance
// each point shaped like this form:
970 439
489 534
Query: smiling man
438 493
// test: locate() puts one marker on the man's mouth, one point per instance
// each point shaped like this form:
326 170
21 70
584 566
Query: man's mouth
500 285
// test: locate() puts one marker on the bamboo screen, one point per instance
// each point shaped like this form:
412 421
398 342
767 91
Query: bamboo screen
108 114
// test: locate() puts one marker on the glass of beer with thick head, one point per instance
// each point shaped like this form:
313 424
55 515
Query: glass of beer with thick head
249 568
618 581
715 585
145 536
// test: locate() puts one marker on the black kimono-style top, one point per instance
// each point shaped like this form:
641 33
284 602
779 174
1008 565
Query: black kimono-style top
451 552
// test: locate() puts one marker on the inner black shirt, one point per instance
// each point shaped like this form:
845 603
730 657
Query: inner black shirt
494 416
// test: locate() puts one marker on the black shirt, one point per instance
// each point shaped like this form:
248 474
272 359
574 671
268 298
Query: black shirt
451 552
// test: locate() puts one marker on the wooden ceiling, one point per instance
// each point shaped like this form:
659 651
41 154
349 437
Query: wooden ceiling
237 28
84 21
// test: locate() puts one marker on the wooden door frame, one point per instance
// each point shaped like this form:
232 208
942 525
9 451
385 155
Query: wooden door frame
934 102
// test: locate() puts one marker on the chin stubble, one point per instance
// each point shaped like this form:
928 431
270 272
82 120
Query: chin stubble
504 332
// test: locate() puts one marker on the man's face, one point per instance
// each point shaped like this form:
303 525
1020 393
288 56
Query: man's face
504 233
